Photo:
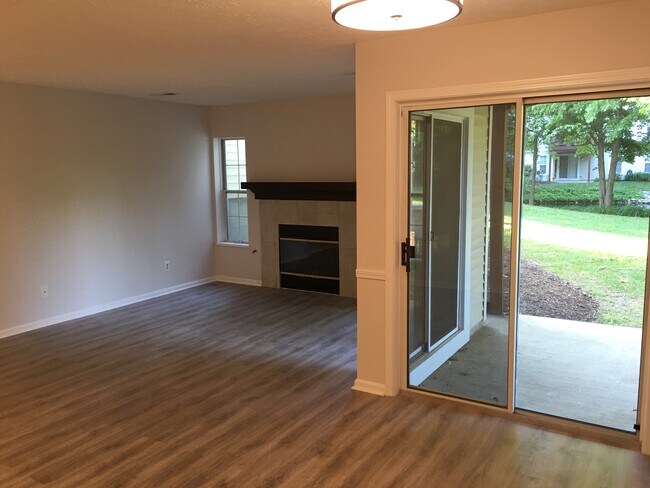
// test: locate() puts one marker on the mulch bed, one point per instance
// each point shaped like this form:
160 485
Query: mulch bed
544 294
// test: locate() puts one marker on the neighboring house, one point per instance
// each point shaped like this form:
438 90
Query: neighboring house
559 163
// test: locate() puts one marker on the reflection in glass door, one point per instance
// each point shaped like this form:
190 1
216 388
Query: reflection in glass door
461 164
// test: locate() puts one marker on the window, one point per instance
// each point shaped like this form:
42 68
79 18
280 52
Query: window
646 168
542 161
233 171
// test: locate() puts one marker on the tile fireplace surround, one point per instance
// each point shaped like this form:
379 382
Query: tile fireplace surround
309 212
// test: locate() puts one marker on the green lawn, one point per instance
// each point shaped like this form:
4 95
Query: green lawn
618 282
632 185
611 224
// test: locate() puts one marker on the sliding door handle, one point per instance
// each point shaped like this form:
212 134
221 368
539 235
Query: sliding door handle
408 251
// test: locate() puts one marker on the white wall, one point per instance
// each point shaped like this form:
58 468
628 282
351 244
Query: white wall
96 192
306 139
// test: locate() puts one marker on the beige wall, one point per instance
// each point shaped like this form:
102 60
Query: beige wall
602 38
308 139
96 192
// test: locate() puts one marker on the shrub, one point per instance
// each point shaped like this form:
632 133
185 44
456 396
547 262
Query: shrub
551 194
638 177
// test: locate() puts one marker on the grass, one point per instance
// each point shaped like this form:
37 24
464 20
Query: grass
617 282
621 210
632 185
610 224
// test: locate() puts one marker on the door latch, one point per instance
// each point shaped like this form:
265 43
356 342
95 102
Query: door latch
408 251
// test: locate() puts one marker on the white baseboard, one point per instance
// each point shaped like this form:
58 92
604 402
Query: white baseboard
369 387
39 324
238 281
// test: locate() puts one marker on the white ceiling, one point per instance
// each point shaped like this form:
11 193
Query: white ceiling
209 51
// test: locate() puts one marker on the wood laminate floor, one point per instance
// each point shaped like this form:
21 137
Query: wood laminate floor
228 385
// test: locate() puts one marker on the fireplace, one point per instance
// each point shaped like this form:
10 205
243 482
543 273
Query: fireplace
308 235
309 257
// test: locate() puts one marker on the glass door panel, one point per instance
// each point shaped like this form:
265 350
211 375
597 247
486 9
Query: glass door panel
461 165
444 228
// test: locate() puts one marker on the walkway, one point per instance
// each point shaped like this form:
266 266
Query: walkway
585 240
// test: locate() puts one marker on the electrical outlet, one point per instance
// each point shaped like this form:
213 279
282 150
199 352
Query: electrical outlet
167 266
44 291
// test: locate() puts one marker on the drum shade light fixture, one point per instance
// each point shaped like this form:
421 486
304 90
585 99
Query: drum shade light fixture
393 15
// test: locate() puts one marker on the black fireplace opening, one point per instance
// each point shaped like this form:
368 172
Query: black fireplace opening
309 258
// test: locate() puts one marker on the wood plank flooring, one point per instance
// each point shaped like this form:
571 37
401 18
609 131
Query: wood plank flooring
228 385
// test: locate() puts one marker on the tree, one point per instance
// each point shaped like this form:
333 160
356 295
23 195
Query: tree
618 126
537 133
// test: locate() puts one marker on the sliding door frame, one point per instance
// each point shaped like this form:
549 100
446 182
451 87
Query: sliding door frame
586 96
398 106
406 109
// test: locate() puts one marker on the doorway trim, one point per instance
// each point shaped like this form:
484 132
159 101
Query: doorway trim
398 103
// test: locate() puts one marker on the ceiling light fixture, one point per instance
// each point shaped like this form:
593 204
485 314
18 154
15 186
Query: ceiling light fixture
394 15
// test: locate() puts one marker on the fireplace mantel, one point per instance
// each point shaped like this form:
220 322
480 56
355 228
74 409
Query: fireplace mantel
345 191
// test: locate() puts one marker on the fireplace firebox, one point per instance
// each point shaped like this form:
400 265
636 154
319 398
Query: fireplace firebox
309 258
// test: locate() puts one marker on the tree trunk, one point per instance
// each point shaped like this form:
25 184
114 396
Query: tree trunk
611 175
533 177
601 172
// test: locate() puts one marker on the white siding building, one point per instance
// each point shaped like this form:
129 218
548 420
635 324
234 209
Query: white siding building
562 165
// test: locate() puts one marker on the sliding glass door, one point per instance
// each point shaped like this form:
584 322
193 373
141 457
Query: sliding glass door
461 165
578 251
437 164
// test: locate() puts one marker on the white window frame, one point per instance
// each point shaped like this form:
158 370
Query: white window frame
223 237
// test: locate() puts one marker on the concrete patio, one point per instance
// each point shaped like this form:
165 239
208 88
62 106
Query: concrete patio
576 370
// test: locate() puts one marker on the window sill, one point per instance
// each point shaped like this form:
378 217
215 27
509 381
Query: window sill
243 245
